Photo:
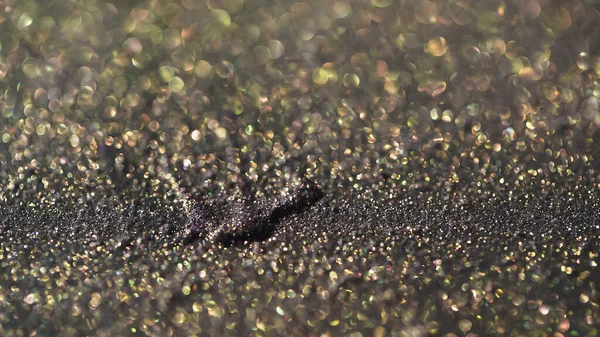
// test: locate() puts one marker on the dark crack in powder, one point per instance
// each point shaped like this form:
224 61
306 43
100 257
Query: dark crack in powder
247 220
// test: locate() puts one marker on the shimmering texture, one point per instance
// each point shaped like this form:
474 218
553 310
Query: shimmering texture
455 142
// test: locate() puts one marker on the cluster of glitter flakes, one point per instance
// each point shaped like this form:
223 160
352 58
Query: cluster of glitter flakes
284 168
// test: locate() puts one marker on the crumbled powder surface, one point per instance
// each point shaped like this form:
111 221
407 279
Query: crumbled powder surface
285 168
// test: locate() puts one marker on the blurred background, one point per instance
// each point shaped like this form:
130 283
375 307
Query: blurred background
133 94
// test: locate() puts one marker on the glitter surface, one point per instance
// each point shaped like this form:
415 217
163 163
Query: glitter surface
283 168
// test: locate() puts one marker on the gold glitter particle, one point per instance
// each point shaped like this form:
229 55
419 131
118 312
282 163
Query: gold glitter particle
176 84
133 45
341 10
231 6
496 46
351 80
25 21
221 17
276 49
426 12
166 73
203 69
225 69
437 46
583 61
381 3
